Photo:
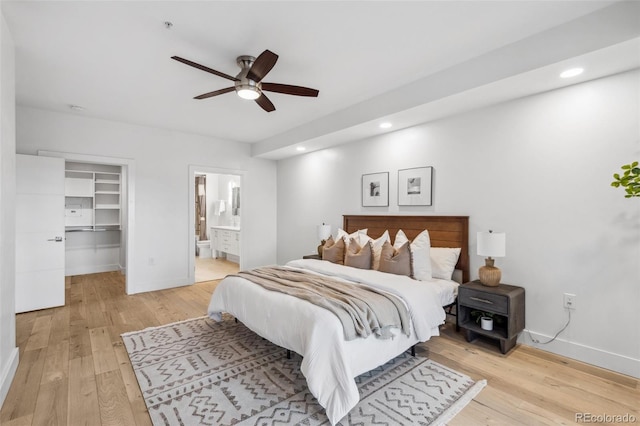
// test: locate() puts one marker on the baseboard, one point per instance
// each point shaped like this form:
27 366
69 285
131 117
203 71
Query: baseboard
161 285
91 269
8 373
598 357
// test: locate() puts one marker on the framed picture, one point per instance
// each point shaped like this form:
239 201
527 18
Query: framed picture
375 190
414 186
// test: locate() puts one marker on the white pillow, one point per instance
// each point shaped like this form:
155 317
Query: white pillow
360 236
376 245
420 253
443 262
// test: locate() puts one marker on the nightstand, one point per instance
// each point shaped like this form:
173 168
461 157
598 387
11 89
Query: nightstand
505 301
312 256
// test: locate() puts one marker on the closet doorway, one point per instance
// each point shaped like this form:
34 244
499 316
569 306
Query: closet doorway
217 226
99 195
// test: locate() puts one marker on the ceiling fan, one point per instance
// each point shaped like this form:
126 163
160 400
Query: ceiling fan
248 83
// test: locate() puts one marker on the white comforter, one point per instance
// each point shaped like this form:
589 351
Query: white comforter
329 363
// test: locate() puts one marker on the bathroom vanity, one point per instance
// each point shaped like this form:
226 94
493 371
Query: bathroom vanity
225 242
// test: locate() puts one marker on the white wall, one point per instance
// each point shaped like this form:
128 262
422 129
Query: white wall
8 349
537 168
162 158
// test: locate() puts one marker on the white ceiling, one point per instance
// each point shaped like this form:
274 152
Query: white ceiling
408 61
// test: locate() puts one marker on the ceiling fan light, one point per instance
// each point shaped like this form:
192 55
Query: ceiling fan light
250 93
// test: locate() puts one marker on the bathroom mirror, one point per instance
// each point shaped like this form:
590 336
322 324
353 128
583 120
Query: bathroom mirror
235 201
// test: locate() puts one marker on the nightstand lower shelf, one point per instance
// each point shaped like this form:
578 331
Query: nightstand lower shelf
472 331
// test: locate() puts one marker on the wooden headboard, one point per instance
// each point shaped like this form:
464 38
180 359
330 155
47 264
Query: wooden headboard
444 231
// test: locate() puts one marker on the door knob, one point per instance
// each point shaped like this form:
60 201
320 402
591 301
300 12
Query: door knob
56 239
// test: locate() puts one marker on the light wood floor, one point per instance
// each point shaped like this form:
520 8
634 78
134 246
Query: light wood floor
74 369
209 269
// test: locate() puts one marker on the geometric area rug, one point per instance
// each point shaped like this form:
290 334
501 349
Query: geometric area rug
202 372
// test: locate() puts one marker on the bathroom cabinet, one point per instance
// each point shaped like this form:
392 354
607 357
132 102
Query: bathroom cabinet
225 240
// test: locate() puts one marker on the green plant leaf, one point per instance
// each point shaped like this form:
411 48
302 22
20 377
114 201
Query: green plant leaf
630 179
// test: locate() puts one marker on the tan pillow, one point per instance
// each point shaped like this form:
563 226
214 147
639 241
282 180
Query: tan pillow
396 261
376 246
359 257
333 251
420 248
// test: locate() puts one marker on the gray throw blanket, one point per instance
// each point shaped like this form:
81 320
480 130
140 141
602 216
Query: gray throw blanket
361 310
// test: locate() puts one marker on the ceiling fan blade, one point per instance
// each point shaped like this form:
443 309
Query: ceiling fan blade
215 93
289 89
265 103
262 65
203 68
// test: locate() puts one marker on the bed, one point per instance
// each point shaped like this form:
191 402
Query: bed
330 363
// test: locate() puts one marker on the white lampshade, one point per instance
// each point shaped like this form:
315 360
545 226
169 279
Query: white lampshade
324 231
492 244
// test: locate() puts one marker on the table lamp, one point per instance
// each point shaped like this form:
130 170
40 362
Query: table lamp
491 244
324 232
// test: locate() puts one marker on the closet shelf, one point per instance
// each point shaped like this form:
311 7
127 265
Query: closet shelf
93 200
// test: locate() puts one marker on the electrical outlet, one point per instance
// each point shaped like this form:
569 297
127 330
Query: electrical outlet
569 301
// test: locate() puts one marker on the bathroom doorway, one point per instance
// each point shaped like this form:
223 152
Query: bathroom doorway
216 213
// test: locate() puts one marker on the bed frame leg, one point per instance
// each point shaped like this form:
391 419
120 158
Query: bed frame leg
288 354
413 350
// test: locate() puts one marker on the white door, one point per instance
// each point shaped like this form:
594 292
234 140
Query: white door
39 232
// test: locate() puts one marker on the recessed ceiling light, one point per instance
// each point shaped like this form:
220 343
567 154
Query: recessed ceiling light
571 72
385 125
301 148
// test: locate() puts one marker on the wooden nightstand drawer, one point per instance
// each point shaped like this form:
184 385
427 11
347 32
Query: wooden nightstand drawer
482 300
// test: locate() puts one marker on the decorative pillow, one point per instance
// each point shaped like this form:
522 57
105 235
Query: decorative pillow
376 246
396 261
420 258
360 236
358 257
333 251
443 262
